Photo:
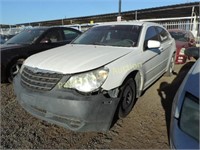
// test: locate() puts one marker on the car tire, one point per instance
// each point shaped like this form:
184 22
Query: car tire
127 98
170 69
14 69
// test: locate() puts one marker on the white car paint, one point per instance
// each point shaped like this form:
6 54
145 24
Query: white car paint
70 59
102 72
76 58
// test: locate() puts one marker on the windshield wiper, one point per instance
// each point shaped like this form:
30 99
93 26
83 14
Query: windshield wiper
10 43
99 43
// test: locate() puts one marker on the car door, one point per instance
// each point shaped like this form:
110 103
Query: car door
165 48
152 58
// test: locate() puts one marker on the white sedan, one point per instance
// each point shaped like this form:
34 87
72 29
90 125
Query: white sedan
83 85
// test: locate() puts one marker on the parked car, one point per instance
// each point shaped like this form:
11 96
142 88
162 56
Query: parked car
98 75
184 39
184 130
29 42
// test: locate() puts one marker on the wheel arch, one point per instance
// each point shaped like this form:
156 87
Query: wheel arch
169 61
172 54
139 81
13 60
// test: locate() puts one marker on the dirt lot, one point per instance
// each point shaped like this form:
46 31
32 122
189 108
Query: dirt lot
145 127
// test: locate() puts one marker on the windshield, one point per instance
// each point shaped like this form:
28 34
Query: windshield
179 36
26 36
189 120
112 35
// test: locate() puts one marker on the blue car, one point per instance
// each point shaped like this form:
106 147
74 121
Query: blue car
184 129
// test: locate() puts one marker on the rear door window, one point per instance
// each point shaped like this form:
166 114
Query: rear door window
163 34
70 34
53 36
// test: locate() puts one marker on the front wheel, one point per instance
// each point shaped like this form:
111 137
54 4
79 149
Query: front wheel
127 98
14 69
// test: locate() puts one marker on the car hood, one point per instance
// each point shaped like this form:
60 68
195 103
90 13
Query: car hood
71 59
180 44
11 46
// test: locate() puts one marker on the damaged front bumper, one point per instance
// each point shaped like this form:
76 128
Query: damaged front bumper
68 108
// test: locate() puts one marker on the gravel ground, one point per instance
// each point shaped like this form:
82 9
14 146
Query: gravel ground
146 127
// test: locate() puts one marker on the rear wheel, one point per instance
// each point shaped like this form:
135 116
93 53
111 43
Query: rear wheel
14 69
127 98
171 67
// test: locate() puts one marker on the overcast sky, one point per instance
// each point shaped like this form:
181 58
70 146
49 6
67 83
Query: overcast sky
25 11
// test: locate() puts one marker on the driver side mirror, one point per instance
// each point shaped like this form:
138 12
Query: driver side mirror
153 44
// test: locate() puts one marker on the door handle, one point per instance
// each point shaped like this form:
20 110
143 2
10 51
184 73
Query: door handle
170 43
161 48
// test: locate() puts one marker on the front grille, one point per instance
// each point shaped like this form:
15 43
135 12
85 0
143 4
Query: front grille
39 80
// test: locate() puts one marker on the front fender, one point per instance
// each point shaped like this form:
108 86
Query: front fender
120 69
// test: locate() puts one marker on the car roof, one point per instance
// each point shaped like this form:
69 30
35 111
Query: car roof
139 23
49 27
177 30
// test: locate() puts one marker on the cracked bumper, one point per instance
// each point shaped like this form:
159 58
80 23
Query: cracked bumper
68 108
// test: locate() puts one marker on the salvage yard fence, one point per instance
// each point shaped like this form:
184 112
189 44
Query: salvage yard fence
186 23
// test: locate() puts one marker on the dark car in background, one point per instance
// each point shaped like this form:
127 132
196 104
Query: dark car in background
184 39
29 42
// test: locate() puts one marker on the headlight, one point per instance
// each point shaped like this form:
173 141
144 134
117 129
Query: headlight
182 51
87 82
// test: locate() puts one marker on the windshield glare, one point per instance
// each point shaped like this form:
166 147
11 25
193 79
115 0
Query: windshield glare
26 36
179 36
115 35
